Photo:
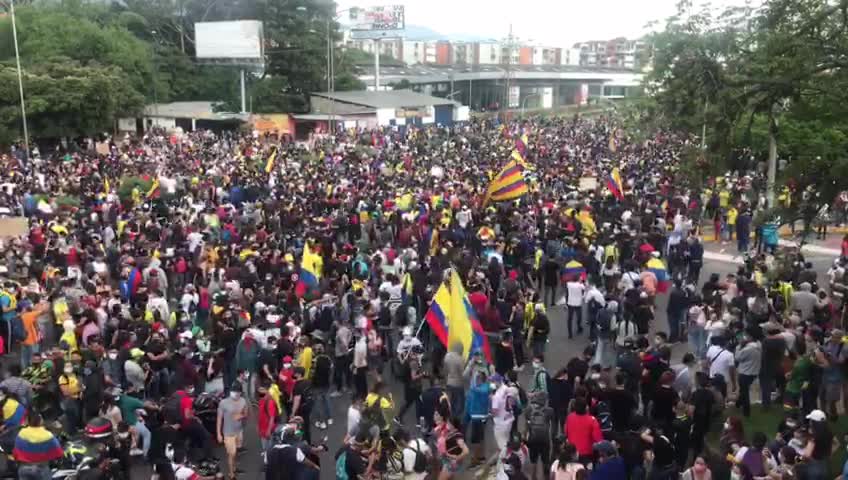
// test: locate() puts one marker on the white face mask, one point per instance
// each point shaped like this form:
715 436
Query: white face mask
235 395
727 426
113 356
287 365
69 371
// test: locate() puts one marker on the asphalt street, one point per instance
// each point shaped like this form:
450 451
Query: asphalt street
719 259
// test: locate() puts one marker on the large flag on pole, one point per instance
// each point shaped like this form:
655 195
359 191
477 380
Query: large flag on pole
615 185
509 184
453 320
311 265
463 325
269 164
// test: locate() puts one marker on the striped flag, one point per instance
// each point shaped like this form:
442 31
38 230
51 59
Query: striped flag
509 184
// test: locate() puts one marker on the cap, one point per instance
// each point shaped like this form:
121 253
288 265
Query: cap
817 416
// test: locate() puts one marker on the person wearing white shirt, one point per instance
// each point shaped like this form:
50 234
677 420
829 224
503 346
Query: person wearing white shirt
721 362
502 411
574 300
360 365
412 448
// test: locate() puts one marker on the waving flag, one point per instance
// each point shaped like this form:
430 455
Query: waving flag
269 164
612 141
509 184
574 270
437 315
657 267
311 265
463 325
614 184
519 153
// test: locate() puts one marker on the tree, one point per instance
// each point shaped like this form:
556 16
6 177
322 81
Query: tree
65 98
723 74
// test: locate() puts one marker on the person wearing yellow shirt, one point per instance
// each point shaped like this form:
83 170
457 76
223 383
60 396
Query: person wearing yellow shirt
732 213
723 198
304 359
68 340
70 386
377 416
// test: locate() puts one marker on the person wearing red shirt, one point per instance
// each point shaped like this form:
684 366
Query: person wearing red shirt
286 380
197 434
582 430
267 417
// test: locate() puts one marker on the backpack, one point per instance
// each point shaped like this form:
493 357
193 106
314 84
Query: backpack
373 414
604 417
171 411
420 463
537 423
341 466
604 321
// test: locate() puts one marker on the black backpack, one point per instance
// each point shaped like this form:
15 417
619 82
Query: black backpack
604 417
604 321
420 464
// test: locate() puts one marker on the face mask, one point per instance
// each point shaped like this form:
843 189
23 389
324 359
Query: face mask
287 365
735 476
235 395
113 356
86 371
595 376
727 426
537 365
69 370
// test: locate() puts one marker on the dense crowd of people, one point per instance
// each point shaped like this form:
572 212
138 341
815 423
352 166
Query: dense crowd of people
161 300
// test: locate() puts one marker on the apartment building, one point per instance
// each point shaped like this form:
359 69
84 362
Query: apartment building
618 52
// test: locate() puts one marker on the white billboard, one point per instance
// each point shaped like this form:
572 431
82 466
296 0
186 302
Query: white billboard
514 96
371 19
240 40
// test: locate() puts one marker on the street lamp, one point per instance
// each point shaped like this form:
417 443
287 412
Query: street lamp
20 78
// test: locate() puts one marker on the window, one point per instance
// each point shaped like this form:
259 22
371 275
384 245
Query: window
614 91
594 90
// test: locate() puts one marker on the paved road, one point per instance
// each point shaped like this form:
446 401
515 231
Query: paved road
560 350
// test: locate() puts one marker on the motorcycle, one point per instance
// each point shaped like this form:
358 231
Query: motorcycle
206 410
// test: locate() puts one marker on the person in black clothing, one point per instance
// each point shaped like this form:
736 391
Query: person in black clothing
578 367
268 361
322 367
551 274
559 396
771 374
678 304
703 402
632 448
622 403
541 327
504 355
681 430
302 401
664 466
664 400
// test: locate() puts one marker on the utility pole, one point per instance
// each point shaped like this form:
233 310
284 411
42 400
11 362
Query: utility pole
510 42
20 78
772 158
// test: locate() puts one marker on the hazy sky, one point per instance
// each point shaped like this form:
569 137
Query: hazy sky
550 22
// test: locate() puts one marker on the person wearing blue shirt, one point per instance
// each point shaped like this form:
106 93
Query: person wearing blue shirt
476 412
610 465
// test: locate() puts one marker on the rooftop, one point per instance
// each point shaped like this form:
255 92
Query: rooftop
386 99
196 110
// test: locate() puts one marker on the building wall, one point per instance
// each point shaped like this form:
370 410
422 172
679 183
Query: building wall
490 53
443 53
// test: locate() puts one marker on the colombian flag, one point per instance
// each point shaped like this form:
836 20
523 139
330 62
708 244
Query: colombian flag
463 325
437 315
36 445
311 266
269 164
507 185
657 267
614 184
574 270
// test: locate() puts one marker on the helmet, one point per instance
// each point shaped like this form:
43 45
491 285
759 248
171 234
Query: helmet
98 428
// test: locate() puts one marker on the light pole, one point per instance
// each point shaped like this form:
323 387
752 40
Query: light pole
20 78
